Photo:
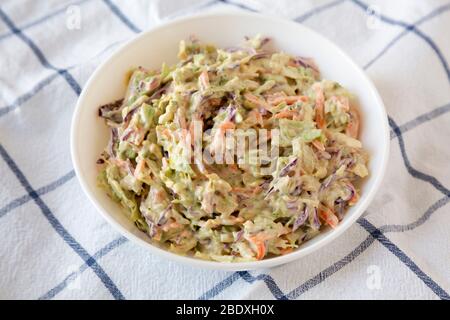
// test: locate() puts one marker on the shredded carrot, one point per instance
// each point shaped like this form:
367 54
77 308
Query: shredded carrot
286 114
354 199
257 190
171 225
261 250
258 101
288 99
227 125
286 251
139 167
260 247
204 80
319 145
167 133
242 190
237 219
247 191
160 196
329 217
191 132
257 116
271 98
262 236
320 100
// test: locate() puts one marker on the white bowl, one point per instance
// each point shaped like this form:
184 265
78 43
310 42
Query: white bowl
89 134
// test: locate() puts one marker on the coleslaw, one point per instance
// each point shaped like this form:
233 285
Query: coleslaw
242 210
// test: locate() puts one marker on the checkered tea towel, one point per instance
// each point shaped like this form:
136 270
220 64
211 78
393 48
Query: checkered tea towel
55 246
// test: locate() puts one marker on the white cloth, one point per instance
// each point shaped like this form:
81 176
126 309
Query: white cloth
53 243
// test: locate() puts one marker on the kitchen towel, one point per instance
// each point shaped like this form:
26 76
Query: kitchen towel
54 245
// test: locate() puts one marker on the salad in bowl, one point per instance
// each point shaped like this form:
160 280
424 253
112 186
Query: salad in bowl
233 154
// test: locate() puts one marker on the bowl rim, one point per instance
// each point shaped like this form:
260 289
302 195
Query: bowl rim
234 266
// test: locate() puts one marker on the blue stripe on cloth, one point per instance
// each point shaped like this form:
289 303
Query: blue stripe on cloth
192 9
318 10
385 49
41 191
413 29
438 11
386 19
239 5
397 131
27 96
441 293
268 280
430 42
219 287
362 247
435 49
41 85
428 213
71 277
64 73
59 228
326 273
44 18
423 118
121 16
301 18
273 287
412 171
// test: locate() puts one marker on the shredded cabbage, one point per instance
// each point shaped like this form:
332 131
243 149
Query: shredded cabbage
232 212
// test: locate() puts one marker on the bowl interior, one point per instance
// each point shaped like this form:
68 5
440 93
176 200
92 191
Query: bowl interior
151 49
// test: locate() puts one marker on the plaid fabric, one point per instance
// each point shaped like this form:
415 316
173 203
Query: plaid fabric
54 244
